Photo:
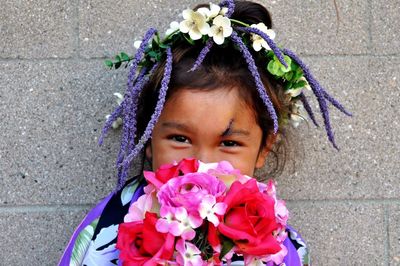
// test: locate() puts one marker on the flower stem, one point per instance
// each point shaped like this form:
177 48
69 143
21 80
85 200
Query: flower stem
239 22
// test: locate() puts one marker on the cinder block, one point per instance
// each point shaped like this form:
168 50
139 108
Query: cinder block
309 27
394 234
385 27
312 27
366 166
107 28
339 233
52 116
36 238
37 29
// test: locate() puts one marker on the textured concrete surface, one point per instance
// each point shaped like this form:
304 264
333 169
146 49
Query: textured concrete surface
369 142
393 222
55 93
37 29
314 27
342 233
36 237
385 27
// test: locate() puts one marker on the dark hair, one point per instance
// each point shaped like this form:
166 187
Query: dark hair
223 67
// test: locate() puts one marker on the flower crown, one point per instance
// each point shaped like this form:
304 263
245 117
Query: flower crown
212 26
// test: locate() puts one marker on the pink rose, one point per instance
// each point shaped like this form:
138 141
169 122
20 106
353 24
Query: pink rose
250 220
141 244
168 171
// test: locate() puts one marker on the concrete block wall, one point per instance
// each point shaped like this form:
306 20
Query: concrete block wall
55 93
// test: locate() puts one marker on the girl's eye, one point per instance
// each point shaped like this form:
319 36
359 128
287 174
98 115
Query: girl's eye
229 143
179 138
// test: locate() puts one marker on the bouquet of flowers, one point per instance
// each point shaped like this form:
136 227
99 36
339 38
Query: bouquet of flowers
195 213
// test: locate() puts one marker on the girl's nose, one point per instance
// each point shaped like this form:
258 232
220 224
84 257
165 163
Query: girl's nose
205 155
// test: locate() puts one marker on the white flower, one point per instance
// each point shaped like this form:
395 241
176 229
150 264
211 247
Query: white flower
211 12
137 44
173 26
120 98
258 41
220 29
296 92
223 11
194 23
298 114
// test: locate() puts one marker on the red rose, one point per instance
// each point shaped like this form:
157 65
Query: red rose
140 244
168 171
250 219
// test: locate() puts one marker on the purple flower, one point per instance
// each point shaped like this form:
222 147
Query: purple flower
202 55
270 42
115 114
335 103
321 95
153 120
129 111
308 108
230 4
254 71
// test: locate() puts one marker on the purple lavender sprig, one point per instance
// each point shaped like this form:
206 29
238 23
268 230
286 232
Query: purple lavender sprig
138 56
132 113
308 108
115 114
131 77
270 42
230 4
335 103
318 92
202 54
154 118
254 71
127 116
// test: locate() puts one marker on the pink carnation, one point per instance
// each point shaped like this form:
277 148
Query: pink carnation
188 191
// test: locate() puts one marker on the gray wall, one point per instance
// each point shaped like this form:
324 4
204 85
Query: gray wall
55 92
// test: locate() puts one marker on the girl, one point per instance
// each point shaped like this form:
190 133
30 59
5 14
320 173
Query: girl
215 88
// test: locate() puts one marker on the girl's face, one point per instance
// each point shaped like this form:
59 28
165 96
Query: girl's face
210 126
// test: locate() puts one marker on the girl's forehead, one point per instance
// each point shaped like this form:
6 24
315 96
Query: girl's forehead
219 109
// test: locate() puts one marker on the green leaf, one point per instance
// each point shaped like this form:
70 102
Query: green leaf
299 84
270 67
152 54
118 58
288 76
226 247
124 56
109 63
288 86
163 45
189 40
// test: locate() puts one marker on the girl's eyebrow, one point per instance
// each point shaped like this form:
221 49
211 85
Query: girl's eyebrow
229 131
175 125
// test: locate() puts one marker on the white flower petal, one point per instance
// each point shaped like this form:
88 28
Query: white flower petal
228 32
137 44
223 11
195 34
187 13
204 11
214 10
185 26
257 46
218 39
